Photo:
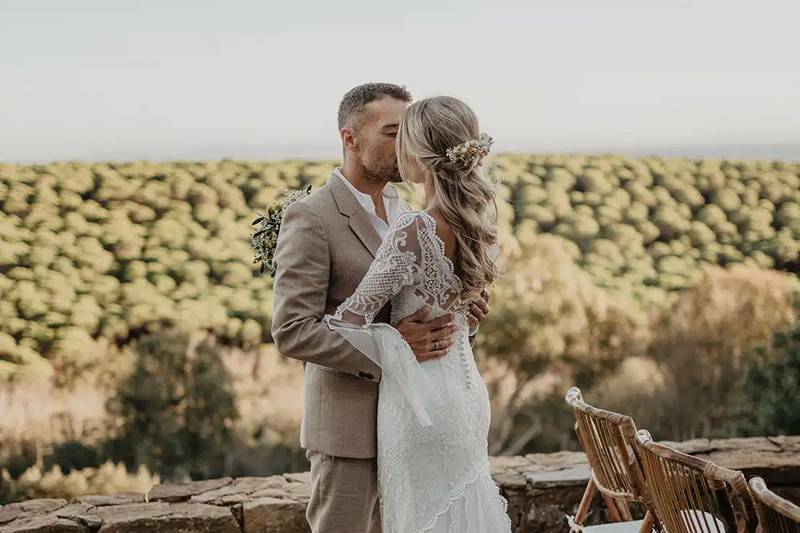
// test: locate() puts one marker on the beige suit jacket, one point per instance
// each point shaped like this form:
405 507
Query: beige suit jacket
325 247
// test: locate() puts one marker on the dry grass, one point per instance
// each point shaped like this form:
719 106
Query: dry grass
38 412
268 389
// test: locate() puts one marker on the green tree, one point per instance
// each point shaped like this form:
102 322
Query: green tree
176 409
770 403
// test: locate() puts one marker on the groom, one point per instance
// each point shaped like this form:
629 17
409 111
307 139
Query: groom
326 244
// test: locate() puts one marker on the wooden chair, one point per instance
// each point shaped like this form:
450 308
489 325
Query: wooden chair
692 495
607 438
775 515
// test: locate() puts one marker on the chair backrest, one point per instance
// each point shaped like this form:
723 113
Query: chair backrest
775 515
692 495
607 438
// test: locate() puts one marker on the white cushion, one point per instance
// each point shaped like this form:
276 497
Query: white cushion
614 527
706 523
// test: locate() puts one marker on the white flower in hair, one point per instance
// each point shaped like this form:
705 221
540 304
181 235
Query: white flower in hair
466 152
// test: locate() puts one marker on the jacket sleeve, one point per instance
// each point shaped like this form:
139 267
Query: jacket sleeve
300 291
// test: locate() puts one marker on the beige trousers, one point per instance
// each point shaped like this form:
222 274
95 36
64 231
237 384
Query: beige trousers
344 494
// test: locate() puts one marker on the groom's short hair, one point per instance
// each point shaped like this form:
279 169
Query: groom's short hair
355 101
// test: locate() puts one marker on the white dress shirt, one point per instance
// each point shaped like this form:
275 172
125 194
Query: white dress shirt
391 201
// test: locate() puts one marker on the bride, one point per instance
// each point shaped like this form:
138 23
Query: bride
433 417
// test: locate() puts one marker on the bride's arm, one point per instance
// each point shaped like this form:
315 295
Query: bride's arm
397 263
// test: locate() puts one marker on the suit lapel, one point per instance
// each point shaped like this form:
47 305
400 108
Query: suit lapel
359 221
364 230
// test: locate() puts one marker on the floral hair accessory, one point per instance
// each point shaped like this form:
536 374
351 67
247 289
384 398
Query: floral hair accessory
467 152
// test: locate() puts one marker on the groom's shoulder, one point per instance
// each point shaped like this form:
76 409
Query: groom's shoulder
319 202
320 198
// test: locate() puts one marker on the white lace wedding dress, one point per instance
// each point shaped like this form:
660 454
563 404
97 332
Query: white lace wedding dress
433 417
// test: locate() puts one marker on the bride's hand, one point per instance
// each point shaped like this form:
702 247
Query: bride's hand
428 338
478 310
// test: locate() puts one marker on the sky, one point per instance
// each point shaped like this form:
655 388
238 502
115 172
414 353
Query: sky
168 79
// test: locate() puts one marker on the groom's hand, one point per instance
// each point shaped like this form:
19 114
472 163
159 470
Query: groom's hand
428 338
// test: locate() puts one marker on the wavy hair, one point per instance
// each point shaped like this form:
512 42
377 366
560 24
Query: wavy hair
463 191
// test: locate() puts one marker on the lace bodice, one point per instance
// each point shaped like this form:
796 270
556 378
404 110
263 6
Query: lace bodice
412 255
412 269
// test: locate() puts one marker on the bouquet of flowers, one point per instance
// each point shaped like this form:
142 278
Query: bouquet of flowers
267 225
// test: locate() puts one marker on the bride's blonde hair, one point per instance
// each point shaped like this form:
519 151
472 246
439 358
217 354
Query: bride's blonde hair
463 191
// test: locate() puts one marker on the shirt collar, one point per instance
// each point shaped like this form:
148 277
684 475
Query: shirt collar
389 191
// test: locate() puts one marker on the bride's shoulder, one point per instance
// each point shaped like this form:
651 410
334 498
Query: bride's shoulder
422 221
409 226
407 218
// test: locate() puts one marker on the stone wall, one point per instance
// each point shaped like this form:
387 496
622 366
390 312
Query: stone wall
541 489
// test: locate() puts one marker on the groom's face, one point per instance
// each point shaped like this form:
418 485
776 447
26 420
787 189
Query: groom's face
375 139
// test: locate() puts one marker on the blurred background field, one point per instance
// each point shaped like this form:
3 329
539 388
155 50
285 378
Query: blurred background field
134 328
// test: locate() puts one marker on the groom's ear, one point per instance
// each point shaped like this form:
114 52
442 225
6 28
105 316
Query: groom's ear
348 138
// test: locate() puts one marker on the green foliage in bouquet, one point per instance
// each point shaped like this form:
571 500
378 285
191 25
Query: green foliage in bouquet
267 226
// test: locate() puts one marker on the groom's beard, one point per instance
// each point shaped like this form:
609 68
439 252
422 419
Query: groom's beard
382 176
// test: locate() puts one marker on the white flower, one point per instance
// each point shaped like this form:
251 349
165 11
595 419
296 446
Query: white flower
466 152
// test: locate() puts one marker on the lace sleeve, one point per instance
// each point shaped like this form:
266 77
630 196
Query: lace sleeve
397 263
